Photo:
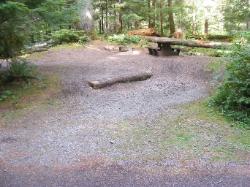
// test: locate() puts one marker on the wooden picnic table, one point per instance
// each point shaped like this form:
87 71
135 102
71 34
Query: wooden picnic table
165 45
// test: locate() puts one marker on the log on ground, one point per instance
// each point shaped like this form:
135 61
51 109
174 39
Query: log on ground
144 32
105 82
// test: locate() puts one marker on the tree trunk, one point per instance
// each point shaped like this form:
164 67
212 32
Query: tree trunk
154 10
102 20
171 17
206 27
120 17
161 17
115 18
106 13
248 25
248 17
100 26
149 14
121 23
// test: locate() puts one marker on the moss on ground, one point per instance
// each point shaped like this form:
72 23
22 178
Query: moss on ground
66 46
35 56
38 55
195 133
205 52
28 95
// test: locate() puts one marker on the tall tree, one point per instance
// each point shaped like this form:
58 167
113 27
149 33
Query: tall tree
120 15
14 28
236 13
149 14
106 15
171 17
154 14
161 17
206 26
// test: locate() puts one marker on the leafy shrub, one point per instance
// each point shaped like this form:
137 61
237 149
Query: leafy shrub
19 70
239 36
223 38
5 95
124 39
206 52
233 96
68 36
83 39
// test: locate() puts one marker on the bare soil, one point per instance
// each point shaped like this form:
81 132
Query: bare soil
146 133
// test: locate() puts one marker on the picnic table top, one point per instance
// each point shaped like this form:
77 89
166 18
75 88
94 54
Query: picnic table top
189 43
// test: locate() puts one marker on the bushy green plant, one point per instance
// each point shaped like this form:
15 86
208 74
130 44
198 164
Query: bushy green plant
68 36
5 95
124 39
233 96
83 39
239 36
19 70
132 39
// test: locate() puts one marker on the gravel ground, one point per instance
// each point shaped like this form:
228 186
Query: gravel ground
87 137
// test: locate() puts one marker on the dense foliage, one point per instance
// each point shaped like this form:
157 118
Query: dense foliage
53 15
28 21
118 16
192 16
233 96
13 27
236 12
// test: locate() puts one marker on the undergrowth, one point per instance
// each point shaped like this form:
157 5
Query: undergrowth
233 96
124 39
20 83
69 36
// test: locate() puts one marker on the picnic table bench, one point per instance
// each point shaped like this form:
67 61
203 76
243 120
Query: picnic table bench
164 45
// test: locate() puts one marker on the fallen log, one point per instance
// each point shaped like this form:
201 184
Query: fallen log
97 84
189 43
39 47
144 32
